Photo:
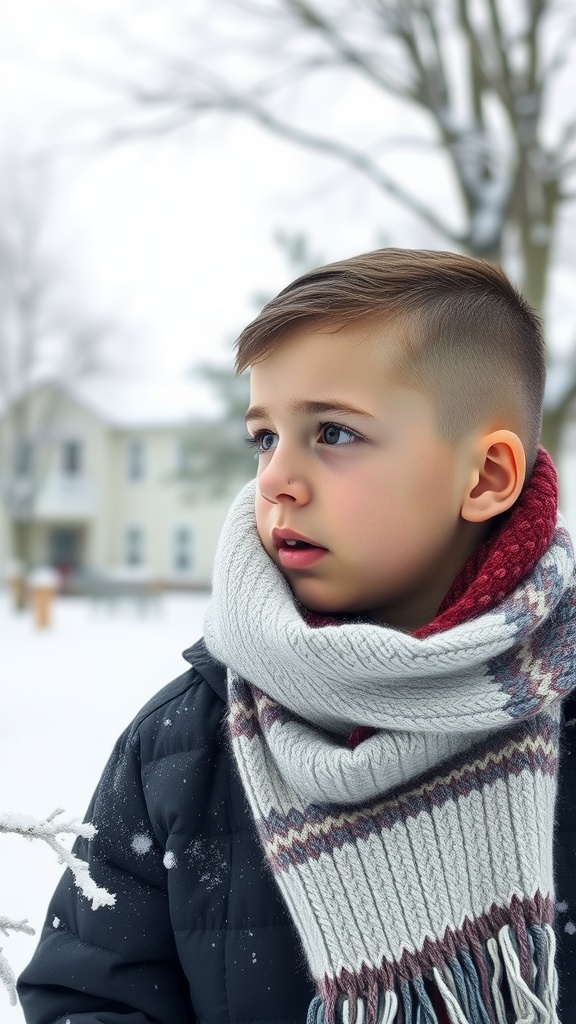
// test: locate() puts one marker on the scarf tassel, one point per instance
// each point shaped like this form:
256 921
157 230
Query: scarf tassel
459 989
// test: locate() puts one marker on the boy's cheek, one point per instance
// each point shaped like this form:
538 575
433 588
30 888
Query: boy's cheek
261 512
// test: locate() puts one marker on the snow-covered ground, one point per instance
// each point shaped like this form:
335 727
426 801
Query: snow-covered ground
67 693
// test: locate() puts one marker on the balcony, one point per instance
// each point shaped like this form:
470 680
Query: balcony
67 497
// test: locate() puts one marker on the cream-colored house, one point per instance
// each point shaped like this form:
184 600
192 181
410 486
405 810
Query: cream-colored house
110 503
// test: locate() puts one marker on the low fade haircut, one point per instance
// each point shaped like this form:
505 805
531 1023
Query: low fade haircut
467 337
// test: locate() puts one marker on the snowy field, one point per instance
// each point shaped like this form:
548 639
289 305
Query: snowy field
67 693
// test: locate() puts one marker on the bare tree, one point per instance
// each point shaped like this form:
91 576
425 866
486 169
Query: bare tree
46 342
485 85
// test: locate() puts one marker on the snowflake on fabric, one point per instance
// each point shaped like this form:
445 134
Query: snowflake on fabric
569 926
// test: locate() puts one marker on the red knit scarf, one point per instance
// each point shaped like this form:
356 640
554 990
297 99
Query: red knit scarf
507 555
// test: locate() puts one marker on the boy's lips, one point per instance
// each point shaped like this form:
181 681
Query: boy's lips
295 551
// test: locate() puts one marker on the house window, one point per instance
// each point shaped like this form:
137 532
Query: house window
184 456
182 558
71 458
136 459
134 545
23 457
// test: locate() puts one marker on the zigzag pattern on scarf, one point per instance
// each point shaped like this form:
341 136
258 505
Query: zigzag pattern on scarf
293 838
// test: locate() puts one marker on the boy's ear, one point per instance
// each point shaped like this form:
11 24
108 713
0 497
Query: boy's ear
498 478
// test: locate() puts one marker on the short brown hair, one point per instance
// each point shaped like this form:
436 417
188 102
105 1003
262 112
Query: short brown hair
470 339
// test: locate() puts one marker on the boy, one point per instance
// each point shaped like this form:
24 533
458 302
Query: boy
394 602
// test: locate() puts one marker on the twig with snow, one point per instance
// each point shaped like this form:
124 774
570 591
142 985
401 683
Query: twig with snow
6 973
49 830
8 979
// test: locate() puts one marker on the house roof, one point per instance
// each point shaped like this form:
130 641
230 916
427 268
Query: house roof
138 404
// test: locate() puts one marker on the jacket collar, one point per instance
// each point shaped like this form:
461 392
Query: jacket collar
213 672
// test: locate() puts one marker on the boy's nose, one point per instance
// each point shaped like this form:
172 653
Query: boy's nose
277 484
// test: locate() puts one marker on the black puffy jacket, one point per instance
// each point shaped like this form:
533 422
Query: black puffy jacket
199 932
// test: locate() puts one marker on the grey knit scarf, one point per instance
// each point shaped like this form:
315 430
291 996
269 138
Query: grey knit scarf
417 867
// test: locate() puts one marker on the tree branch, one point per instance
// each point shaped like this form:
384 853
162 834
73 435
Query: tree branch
488 123
8 979
311 18
357 159
7 976
221 99
537 10
501 54
48 831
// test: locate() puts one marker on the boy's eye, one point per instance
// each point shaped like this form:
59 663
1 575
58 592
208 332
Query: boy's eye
262 440
333 434
266 441
328 433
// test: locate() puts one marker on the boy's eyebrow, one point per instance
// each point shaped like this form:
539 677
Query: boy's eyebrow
305 407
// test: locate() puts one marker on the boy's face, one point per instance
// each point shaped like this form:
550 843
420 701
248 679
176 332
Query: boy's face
351 463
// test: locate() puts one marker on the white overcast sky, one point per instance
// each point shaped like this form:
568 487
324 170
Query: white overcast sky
176 235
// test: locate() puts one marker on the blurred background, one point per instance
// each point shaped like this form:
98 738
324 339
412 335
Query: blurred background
165 167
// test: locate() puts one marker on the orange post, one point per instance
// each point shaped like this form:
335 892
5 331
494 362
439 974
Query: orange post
43 585
42 601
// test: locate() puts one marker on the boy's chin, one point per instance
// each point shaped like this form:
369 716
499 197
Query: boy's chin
326 608
319 599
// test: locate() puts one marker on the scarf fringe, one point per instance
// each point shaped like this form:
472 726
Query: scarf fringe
518 993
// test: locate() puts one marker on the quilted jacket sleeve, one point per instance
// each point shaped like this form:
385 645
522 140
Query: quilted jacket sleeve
116 964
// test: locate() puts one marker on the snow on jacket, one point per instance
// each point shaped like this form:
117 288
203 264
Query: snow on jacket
199 933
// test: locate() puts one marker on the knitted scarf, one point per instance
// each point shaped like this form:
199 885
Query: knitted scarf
417 867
